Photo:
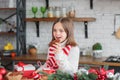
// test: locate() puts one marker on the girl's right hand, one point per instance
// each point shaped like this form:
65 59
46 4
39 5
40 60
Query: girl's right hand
36 71
57 48
56 44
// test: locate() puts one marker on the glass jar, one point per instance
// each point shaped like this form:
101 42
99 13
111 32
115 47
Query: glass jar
71 12
11 3
63 12
57 12
50 12
88 51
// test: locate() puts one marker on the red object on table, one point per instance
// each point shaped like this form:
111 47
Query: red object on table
13 54
28 73
3 71
1 76
49 71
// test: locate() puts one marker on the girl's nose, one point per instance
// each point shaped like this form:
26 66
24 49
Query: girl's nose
57 32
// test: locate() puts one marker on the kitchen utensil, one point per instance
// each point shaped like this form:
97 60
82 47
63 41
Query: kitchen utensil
117 34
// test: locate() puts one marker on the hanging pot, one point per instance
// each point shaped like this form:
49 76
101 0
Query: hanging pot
117 34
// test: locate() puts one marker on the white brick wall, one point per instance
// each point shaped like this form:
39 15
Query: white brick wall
99 31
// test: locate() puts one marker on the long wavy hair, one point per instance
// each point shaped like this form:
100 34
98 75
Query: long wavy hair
68 26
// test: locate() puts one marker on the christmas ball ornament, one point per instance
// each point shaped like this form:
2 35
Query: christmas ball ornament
2 71
1 77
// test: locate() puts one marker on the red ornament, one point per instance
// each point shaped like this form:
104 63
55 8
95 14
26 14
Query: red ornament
92 70
75 76
13 54
2 71
103 71
21 64
1 77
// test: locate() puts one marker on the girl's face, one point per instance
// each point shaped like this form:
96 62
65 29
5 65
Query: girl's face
59 32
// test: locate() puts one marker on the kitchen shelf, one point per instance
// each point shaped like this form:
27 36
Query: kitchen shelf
77 19
7 8
7 33
11 15
5 20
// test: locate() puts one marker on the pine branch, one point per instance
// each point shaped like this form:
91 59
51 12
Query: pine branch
59 75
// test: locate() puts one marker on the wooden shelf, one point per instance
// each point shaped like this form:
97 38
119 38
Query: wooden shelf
7 33
79 19
10 15
7 8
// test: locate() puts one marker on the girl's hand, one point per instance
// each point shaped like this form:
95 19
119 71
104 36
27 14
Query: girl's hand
36 71
57 47
54 42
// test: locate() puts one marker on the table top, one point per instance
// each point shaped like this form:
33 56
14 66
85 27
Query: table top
41 57
96 61
83 59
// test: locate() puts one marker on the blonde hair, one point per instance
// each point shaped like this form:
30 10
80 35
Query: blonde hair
68 26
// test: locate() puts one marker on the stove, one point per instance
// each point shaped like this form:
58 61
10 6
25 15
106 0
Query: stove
113 59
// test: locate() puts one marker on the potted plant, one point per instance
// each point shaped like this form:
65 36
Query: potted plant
32 50
97 50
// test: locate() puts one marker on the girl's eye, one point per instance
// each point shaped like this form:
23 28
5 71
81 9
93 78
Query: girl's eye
54 30
61 30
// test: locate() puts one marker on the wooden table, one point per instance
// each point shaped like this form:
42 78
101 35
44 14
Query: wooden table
42 58
96 61
25 58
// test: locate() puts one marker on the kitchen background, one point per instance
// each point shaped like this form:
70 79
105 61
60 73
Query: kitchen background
100 30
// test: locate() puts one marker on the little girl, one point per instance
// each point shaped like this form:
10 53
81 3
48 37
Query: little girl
63 52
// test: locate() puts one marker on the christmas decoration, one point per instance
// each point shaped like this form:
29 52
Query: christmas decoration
59 75
20 66
26 69
83 74
13 76
3 71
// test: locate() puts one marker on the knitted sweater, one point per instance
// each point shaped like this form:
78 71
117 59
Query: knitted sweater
64 62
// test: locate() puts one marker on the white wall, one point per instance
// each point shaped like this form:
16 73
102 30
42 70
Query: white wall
99 31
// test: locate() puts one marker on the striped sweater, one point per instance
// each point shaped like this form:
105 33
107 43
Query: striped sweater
52 62
66 60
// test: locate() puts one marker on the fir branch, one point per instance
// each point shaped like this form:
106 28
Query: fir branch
59 75
89 76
